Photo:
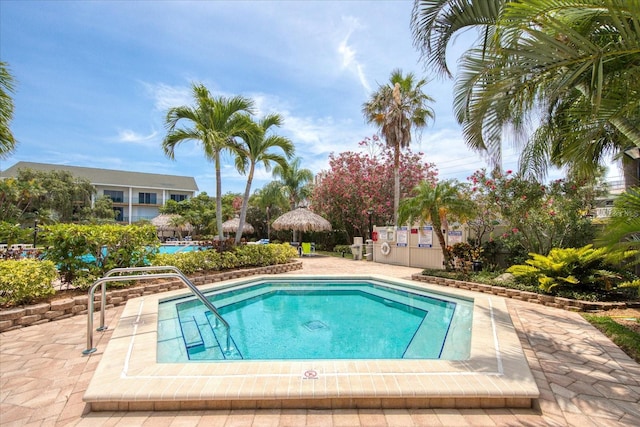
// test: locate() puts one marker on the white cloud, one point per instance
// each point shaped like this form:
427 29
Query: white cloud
166 96
349 55
132 137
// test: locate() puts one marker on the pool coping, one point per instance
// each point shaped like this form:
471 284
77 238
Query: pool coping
495 375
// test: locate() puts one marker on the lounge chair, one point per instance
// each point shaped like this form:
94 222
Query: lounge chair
308 249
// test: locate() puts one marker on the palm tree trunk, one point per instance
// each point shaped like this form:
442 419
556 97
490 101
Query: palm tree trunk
218 197
437 225
245 203
631 172
396 185
268 224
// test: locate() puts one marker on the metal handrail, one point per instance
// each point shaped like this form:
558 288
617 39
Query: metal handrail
109 278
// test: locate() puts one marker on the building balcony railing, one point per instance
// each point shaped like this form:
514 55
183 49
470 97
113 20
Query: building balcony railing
137 218
604 212
135 201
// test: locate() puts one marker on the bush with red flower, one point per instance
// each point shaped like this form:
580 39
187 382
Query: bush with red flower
535 217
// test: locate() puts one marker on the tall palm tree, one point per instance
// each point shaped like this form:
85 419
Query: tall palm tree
434 204
7 141
572 62
257 148
216 123
295 183
397 108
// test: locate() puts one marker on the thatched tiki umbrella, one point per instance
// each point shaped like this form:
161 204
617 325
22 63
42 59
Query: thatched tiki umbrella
301 219
173 223
231 226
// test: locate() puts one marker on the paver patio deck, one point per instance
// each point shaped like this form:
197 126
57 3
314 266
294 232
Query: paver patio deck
584 379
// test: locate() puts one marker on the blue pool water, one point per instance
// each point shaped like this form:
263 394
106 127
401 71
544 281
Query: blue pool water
163 249
316 320
172 249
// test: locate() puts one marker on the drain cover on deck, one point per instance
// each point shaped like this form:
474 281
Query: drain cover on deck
314 325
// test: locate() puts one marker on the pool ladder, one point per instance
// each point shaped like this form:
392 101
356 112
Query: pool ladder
109 278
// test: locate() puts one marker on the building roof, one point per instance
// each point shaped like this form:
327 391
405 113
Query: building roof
107 177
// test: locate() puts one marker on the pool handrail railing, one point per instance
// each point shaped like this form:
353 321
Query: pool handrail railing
108 277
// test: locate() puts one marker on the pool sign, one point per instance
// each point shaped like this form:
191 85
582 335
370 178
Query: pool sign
402 236
425 237
455 237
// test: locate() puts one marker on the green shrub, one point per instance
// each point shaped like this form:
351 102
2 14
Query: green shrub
567 268
76 248
27 280
239 257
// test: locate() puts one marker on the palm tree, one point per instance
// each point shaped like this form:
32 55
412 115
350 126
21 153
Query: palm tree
398 108
7 141
295 183
257 148
434 203
434 23
622 230
216 123
573 62
178 222
270 199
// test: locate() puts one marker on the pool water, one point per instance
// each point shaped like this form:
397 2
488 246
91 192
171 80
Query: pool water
163 249
316 320
172 249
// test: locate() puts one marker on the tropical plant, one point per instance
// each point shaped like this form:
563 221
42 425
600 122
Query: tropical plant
56 192
76 249
358 182
216 123
241 256
269 202
11 233
537 217
398 108
622 230
589 268
570 66
7 141
17 197
258 147
295 183
26 280
436 204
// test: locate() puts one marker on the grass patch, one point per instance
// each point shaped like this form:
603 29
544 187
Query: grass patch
623 337
347 255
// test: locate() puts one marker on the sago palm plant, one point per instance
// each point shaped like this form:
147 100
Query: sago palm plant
587 267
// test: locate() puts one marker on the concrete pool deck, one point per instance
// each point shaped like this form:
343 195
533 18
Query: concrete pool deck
583 378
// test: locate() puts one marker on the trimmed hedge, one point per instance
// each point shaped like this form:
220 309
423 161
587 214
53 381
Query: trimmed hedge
26 280
239 257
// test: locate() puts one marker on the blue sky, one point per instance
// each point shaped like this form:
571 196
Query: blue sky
96 78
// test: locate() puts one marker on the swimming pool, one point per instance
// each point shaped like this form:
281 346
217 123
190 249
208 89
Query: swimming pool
162 249
172 249
129 377
293 319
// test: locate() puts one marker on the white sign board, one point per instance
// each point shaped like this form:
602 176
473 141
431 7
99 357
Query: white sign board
425 237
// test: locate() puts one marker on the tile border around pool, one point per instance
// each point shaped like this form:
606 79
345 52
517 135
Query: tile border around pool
496 374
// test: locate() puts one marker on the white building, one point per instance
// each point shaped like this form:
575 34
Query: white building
135 195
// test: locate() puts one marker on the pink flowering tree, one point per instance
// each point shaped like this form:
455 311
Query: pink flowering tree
359 181
537 217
